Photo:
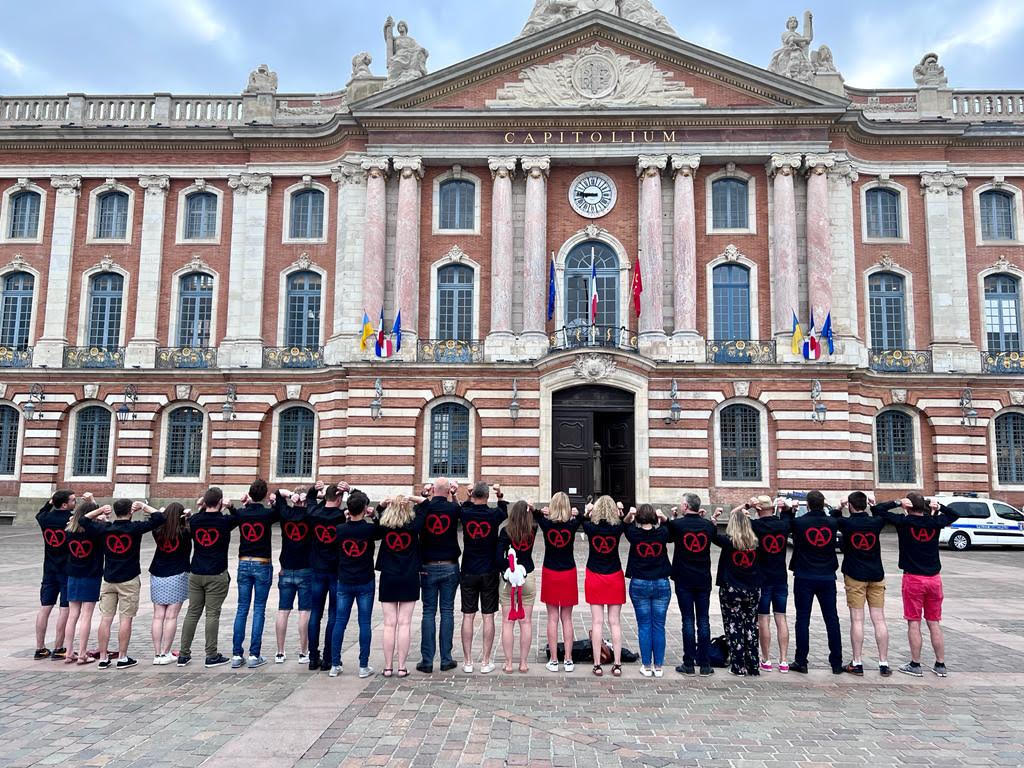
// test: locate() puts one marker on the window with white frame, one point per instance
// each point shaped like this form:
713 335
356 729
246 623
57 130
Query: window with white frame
23 216
1002 313
455 303
457 205
731 297
195 310
184 455
887 311
998 215
295 430
883 213
105 301
10 424
1009 433
92 442
894 442
449 440
581 265
302 326
740 443
307 215
200 216
729 204
112 215
16 312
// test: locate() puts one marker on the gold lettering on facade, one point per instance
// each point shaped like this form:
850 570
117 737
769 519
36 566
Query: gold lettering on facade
547 137
529 139
510 137
596 137
648 136
577 134
669 136
592 137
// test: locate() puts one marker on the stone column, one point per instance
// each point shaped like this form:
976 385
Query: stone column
653 342
375 237
784 266
49 350
819 243
500 343
407 251
347 324
850 349
948 285
140 352
534 340
686 342
243 340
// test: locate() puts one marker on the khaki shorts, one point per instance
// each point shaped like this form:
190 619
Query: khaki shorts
529 592
859 592
122 598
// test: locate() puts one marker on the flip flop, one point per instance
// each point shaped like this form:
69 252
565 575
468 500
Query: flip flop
85 660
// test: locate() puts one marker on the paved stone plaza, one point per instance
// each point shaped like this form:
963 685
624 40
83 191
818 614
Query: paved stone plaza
283 715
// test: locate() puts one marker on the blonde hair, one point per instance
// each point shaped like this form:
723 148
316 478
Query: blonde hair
75 521
605 511
560 509
399 513
740 532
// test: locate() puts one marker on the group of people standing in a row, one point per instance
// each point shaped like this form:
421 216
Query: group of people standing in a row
333 541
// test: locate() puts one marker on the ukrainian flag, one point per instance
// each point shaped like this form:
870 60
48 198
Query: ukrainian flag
368 332
798 337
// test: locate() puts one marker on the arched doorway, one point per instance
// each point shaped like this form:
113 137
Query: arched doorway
592 446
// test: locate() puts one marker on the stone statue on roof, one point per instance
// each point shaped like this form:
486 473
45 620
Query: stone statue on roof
262 80
548 13
929 72
407 59
795 59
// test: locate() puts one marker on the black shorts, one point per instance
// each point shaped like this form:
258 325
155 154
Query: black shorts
479 592
54 586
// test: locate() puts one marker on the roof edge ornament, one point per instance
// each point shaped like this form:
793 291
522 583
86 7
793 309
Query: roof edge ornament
548 13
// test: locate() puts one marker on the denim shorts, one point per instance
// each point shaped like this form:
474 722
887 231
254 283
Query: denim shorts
290 583
774 598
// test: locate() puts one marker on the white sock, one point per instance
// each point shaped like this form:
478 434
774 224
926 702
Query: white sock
857 663
883 663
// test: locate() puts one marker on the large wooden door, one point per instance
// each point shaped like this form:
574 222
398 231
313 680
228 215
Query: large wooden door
614 433
572 447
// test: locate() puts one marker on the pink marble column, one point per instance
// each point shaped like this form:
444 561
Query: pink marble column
684 255
503 170
375 242
651 253
407 247
819 237
784 268
535 282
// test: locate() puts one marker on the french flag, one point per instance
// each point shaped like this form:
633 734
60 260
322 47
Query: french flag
384 347
594 298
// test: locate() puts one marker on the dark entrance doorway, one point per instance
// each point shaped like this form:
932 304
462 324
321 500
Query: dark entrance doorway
592 444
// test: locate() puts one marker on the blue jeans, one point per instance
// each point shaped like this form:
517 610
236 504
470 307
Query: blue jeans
805 591
325 589
439 584
292 583
254 580
694 604
650 602
362 596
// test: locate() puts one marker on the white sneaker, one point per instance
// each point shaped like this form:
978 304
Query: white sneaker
552 665
303 658
467 668
237 662
158 660
280 658
365 672
659 672
646 672
487 668
569 665
335 671
167 659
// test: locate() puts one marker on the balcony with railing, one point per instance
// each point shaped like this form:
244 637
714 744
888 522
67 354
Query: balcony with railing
94 357
993 105
741 352
449 351
293 357
588 336
1006 363
900 360
12 357
187 358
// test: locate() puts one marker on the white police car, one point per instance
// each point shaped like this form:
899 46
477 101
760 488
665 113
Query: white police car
983 522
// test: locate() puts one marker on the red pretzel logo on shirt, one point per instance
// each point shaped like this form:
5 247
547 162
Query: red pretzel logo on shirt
604 545
295 531
863 542
80 549
251 532
773 544
398 541
744 558
54 537
478 529
819 537
438 524
695 542
923 535
559 539
646 549
353 548
119 543
523 546
207 537
326 534
167 546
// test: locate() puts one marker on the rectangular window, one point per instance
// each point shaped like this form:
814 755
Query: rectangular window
449 441
895 444
740 428
9 423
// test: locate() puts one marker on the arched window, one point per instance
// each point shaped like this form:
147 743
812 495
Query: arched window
883 212
1002 313
307 215
9 425
455 303
894 438
195 310
449 440
740 433
302 326
886 311
1010 448
729 204
580 265
997 215
201 216
105 298
92 442
457 205
112 216
24 215
184 443
295 442
731 285
16 317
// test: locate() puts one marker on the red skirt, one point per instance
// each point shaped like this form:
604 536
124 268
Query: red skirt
559 588
605 588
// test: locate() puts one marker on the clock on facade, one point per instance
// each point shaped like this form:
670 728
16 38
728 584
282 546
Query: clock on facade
592 194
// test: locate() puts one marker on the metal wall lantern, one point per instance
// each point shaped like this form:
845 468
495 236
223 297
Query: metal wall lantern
970 415
228 409
819 411
675 411
377 403
513 407
126 412
36 396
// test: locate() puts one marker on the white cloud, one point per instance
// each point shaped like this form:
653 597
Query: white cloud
987 28
11 63
199 18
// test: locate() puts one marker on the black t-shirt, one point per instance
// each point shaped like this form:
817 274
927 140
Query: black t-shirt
524 551
356 545
255 530
862 547
296 536
122 544
480 524
691 560
648 553
52 522
814 547
211 538
439 540
772 535
85 553
559 552
323 528
919 537
603 539
171 556
737 567
399 553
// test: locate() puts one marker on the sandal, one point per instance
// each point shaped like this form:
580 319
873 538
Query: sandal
507 669
387 672
524 668
616 670
403 673
85 660
598 671
71 658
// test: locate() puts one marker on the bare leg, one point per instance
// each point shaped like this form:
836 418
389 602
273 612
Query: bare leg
857 632
938 641
881 632
303 631
42 619
68 641
467 638
782 630
390 630
507 642
281 628
764 635
615 624
914 637
596 631
525 639
405 631
156 629
488 638
124 635
553 611
170 627
62 622
565 614
84 628
103 637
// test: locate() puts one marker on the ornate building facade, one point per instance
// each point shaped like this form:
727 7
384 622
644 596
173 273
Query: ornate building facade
184 278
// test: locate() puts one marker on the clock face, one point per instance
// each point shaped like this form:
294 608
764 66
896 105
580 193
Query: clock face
592 195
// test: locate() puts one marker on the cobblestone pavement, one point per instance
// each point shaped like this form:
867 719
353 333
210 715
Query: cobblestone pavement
283 715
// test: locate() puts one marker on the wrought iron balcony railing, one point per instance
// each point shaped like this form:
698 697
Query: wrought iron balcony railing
186 357
10 357
583 336
900 360
94 357
293 357
741 352
1002 362
449 351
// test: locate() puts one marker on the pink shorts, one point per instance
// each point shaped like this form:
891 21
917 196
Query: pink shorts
922 595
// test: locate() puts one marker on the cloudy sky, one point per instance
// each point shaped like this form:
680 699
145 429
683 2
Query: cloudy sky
209 46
